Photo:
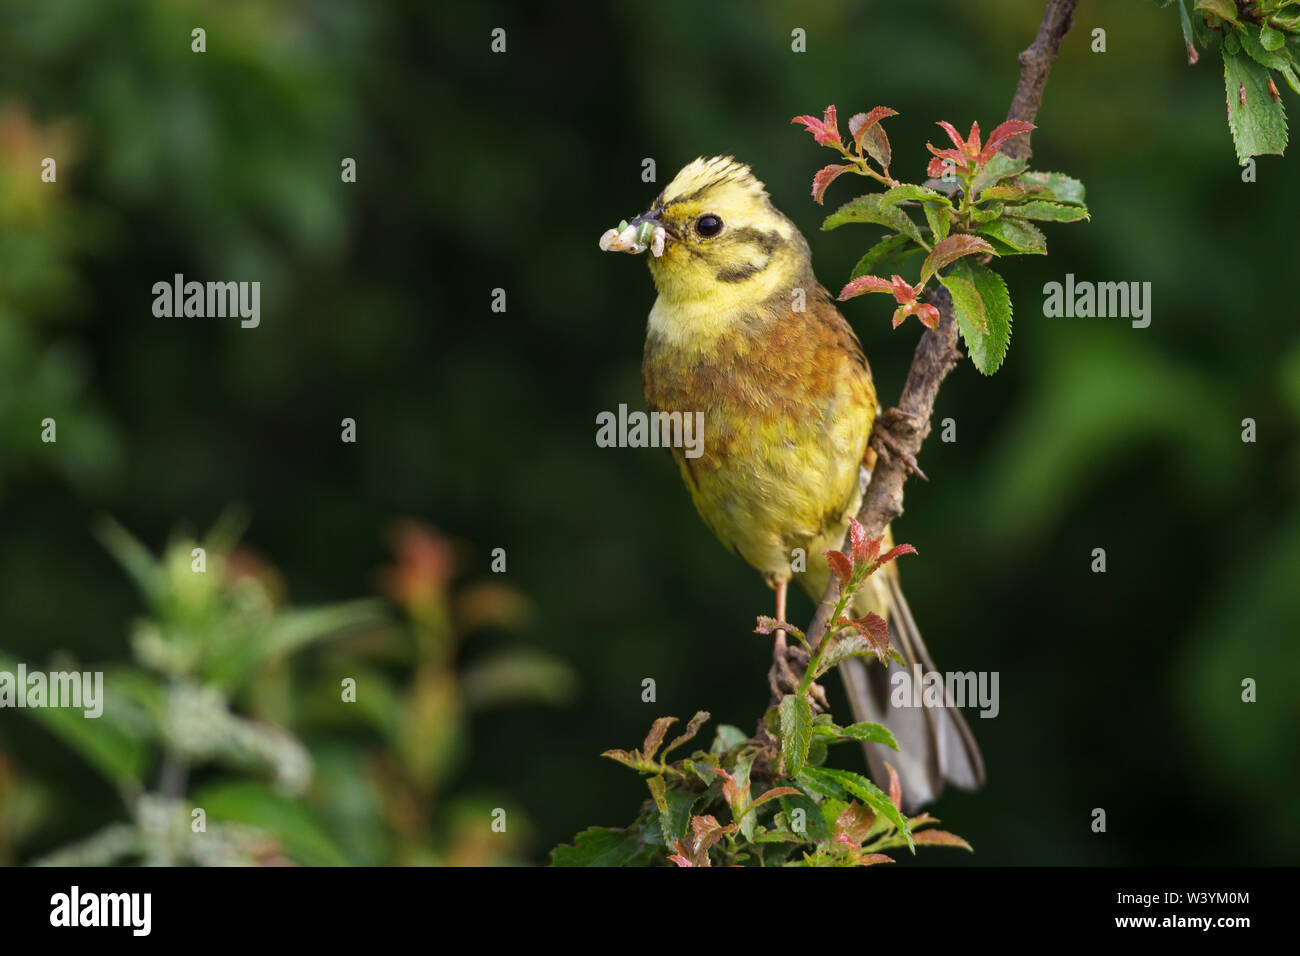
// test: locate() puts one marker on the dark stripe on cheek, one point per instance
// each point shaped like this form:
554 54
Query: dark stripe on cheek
740 273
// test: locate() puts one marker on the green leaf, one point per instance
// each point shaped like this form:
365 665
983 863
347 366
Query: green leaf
1227 9
1188 36
888 254
858 786
1291 79
1000 167
116 748
864 731
936 216
1270 39
142 567
1259 126
1002 192
1254 46
674 806
796 732
727 738
1015 237
230 662
983 310
302 837
1047 211
872 208
814 822
605 846
949 250
741 773
1057 186
909 192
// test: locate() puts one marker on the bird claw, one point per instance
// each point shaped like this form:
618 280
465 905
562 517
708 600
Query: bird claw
893 448
789 664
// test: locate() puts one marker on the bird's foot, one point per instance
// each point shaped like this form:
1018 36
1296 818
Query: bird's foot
891 445
789 664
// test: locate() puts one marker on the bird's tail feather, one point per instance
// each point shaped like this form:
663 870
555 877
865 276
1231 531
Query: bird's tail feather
935 746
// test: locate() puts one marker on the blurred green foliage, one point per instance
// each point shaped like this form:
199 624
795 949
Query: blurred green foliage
1119 690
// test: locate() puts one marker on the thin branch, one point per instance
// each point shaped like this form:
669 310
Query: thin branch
900 431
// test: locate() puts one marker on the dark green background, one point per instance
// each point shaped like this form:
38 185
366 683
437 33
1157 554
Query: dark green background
477 171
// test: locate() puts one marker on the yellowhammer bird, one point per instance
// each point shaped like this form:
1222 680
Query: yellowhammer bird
743 332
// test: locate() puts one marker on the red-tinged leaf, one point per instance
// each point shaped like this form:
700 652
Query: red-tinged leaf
929 316
622 756
894 552
708 831
854 822
732 792
876 631
840 565
1000 135
953 154
858 541
831 124
953 135
972 146
864 284
865 549
940 838
770 625
656 736
948 251
680 860
825 176
860 123
818 128
876 143
920 820
895 788
688 734
773 794
901 314
871 859
936 168
903 292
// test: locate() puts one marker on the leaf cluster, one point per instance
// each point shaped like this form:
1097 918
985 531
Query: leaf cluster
1256 39
978 205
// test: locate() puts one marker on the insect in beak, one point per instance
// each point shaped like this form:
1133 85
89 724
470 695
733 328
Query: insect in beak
643 232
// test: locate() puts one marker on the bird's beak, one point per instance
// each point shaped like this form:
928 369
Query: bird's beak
646 231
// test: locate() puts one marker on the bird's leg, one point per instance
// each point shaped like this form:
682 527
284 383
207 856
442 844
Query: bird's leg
783 679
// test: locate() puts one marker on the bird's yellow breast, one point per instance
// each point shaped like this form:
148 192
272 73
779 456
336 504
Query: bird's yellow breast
788 406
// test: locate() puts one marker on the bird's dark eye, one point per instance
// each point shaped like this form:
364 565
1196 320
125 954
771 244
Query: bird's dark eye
708 225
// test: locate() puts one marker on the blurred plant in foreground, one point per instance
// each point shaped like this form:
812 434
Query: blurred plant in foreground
211 690
209 630
415 692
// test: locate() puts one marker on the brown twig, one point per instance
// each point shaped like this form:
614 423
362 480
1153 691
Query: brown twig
900 431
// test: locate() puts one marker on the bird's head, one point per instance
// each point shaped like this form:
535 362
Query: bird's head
722 239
